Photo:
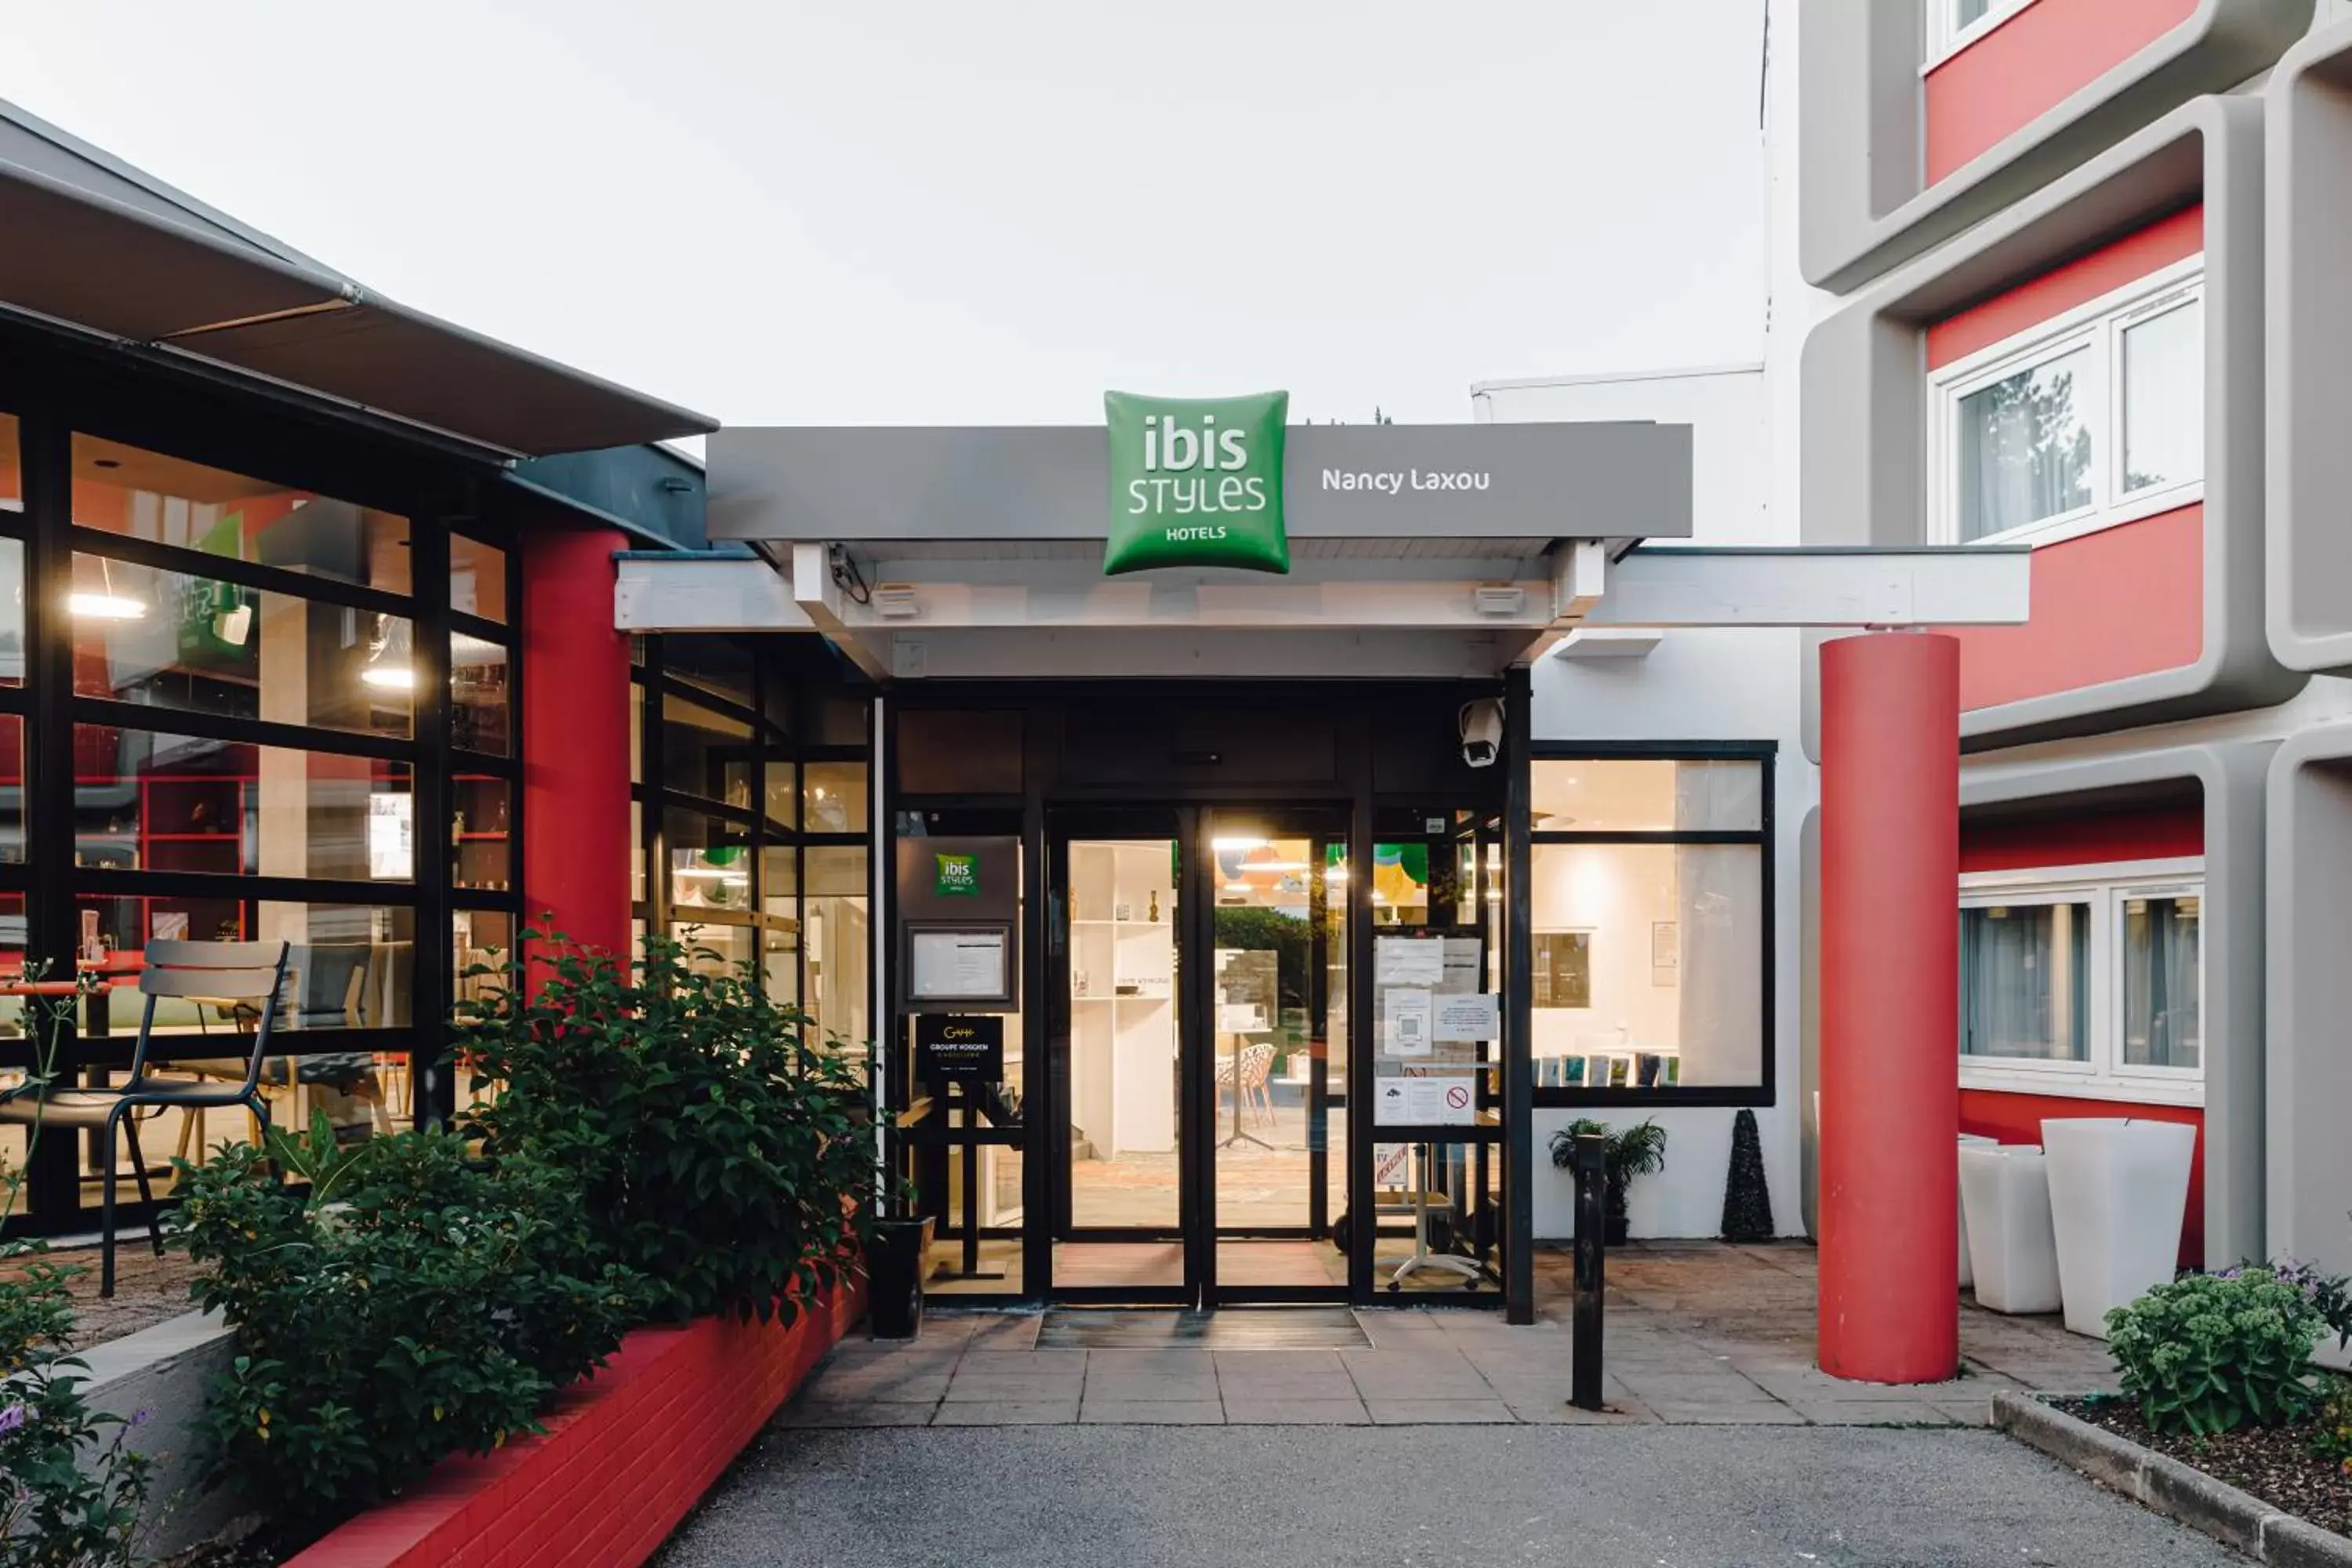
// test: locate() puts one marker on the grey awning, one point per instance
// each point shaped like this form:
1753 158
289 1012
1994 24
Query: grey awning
97 245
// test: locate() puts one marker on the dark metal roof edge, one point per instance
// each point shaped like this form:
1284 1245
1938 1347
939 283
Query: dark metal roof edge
160 190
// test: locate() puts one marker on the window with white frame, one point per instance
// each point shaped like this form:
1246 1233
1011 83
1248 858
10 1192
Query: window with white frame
2084 980
1954 25
2094 419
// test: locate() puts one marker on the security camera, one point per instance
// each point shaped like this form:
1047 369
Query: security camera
1482 731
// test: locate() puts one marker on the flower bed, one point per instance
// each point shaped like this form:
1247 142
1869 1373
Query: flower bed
626 1453
2274 1463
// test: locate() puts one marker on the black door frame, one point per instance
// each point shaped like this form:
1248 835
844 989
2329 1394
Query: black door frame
1193 825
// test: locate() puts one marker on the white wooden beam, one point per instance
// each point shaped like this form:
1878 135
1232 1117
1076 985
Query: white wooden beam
830 610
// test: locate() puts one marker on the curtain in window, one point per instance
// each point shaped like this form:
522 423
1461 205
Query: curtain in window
2161 983
2025 448
1718 941
2164 399
2024 988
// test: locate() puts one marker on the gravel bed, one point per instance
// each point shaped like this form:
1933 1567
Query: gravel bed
2274 1463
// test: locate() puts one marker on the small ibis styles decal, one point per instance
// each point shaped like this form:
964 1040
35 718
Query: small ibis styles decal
959 877
1196 482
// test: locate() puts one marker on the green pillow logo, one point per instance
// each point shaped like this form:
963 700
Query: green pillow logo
957 877
1196 482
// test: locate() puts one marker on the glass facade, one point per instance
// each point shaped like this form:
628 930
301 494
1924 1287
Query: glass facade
723 727
1650 902
221 700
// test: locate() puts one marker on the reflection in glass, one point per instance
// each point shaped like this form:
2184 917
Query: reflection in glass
147 801
837 943
1645 794
11 611
2025 982
704 752
1650 964
146 495
168 639
2164 398
2163 1018
348 966
709 862
12 791
2025 448
478 578
832 797
481 833
481 715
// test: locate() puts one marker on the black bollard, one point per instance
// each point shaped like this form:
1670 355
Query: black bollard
1590 1161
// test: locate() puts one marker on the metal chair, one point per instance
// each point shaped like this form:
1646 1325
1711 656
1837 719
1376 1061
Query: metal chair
205 971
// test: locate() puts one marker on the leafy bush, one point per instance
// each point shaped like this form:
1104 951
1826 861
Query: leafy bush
54 1514
399 1306
719 1150
2207 1353
2330 1294
2331 1438
1639 1151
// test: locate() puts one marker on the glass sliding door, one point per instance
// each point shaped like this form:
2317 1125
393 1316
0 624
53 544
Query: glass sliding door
1122 1234
1274 1028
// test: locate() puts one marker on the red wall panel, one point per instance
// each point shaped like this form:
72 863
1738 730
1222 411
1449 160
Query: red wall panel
2077 282
2029 65
2017 1119
2084 839
2129 600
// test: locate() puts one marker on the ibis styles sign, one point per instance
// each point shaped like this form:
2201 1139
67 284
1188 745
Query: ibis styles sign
1196 481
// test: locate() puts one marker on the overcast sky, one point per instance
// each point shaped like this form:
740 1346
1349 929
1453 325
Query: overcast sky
863 213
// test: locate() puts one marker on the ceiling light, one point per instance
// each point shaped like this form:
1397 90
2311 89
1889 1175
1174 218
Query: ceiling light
390 677
106 606
1237 846
1335 873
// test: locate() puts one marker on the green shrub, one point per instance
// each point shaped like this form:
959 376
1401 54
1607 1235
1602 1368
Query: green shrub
2207 1354
719 1152
2331 1437
392 1305
53 1512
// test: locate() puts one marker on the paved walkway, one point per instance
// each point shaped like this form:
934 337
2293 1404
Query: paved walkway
1143 1497
1697 1333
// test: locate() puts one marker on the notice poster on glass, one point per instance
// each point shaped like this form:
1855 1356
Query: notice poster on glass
1466 958
1477 1016
1410 1012
1451 1100
1408 961
958 966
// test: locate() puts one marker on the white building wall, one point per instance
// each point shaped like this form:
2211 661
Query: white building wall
1694 685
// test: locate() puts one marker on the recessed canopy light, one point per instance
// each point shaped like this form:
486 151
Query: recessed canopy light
390 677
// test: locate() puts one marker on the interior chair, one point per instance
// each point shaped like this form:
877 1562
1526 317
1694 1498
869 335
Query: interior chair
1256 1072
220 973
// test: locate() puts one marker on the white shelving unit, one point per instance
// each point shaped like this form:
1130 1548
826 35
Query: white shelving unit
1122 995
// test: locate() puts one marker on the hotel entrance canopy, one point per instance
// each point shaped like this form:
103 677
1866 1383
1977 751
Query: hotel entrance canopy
1447 551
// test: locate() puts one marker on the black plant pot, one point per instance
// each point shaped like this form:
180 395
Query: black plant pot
1616 1227
895 1265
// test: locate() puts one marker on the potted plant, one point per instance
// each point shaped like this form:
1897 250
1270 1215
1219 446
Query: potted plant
1639 1151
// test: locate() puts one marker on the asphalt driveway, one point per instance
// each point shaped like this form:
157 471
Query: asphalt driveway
1234 1496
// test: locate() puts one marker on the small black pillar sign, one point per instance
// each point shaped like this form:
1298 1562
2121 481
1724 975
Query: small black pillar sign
958 1046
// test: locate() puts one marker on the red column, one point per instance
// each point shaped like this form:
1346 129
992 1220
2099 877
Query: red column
1890 1099
576 739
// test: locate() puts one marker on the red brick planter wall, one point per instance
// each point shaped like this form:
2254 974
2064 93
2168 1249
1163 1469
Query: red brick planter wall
626 1454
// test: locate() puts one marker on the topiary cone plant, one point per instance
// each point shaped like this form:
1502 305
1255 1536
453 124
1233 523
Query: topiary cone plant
1639 1151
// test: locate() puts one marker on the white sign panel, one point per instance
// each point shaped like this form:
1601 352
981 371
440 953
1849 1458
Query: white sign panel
392 856
958 966
1409 1013
1448 1102
1476 1016
1408 961
1390 1162
1464 955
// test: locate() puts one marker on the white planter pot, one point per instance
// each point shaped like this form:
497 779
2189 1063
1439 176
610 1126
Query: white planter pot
1967 1270
2005 1191
2119 1189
